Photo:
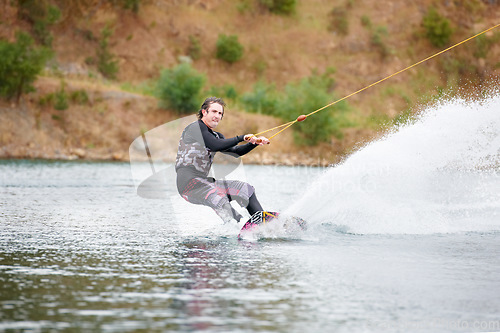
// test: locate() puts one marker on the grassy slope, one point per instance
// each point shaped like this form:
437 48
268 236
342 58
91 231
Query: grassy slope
278 49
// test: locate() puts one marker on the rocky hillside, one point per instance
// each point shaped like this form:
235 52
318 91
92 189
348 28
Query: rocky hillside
360 41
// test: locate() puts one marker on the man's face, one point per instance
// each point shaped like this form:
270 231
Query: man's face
213 115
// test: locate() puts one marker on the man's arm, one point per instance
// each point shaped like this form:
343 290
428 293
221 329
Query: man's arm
241 149
253 142
218 144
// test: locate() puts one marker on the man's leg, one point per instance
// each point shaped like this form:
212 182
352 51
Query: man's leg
204 192
218 194
242 192
227 213
254 205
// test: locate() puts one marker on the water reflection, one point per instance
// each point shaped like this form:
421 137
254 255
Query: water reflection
197 285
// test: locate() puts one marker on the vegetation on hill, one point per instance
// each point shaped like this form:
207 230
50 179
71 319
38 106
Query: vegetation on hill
278 58
20 64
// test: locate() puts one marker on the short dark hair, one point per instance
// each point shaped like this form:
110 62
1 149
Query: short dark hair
209 101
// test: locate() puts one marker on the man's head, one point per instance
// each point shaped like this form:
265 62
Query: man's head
212 111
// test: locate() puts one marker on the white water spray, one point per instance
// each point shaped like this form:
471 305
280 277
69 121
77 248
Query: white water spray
440 174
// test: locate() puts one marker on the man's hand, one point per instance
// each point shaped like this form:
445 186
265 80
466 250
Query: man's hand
261 140
250 138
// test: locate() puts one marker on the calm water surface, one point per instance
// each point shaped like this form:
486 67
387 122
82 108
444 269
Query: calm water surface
80 251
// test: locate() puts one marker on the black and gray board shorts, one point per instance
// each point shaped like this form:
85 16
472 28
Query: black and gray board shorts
216 193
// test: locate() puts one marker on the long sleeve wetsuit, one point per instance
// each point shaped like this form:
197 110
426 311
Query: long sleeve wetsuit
197 161
197 147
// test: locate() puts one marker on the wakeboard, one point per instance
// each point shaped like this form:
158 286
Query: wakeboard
262 218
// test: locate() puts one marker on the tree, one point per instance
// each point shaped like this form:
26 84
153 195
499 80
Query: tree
179 88
229 48
41 15
20 64
437 28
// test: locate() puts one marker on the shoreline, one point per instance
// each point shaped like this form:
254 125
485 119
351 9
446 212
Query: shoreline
83 155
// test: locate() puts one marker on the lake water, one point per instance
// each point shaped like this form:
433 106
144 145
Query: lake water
403 236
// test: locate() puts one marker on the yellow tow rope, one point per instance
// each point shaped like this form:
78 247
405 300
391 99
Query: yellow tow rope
303 117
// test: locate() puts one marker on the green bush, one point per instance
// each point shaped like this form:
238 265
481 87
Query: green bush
263 99
46 100
482 46
132 5
226 91
41 16
304 97
378 41
194 49
41 26
437 28
61 99
260 67
79 97
366 21
20 64
457 69
339 21
229 48
179 88
107 63
244 6
283 7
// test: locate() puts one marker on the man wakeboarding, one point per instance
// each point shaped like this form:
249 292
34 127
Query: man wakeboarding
197 147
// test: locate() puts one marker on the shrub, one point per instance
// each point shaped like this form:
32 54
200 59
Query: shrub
457 69
283 7
482 46
20 64
437 28
79 97
41 26
244 6
132 5
229 48
366 21
41 17
304 97
46 100
260 67
263 99
61 99
378 41
107 63
179 88
194 49
226 91
338 21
